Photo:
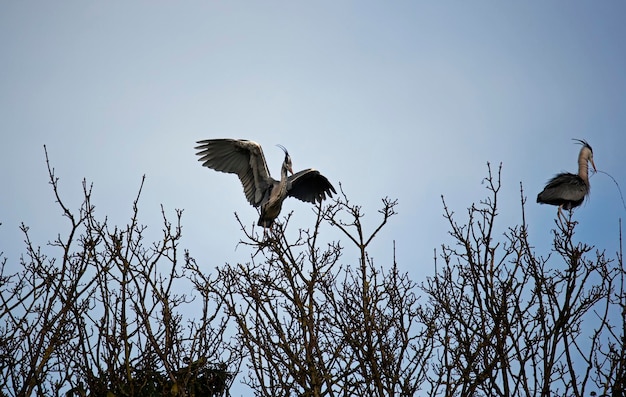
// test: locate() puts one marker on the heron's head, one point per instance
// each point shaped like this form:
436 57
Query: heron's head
586 153
287 161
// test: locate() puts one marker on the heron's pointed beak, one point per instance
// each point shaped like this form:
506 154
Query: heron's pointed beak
291 170
593 165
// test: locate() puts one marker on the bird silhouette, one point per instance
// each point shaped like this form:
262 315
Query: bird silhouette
569 190
245 159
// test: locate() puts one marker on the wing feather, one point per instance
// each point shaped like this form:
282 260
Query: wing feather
309 186
564 188
241 157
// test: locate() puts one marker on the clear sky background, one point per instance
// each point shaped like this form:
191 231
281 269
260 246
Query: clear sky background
405 99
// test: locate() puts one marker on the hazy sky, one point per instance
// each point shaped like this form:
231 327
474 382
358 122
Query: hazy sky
405 99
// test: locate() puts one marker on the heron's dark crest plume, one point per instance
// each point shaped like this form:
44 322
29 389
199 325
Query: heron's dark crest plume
569 190
245 158
283 148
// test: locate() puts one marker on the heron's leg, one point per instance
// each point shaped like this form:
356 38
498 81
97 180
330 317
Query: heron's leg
268 231
559 214
570 223
562 219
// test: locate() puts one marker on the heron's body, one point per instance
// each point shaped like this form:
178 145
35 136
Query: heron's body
566 190
245 158
569 190
271 208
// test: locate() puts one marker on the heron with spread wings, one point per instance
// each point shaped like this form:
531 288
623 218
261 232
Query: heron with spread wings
245 158
569 190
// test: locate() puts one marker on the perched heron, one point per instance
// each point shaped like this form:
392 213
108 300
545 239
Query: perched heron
245 158
569 190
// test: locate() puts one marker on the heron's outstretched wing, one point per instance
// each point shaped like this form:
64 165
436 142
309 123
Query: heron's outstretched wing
238 156
310 186
564 188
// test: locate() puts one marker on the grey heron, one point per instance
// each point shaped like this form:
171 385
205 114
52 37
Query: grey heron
245 158
569 190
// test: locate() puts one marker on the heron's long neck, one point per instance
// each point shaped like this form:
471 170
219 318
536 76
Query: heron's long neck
283 181
583 167
283 174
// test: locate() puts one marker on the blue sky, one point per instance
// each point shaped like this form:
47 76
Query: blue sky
408 99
